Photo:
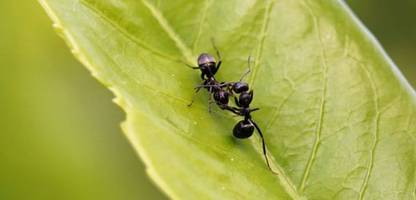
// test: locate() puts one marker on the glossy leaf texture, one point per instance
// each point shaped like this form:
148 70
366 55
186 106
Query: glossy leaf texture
338 117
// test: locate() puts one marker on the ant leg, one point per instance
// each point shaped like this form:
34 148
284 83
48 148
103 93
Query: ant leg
192 67
254 109
218 54
264 145
188 65
236 101
229 87
210 99
203 86
217 67
230 90
218 86
193 97
251 95
232 109
202 76
225 84
248 70
216 49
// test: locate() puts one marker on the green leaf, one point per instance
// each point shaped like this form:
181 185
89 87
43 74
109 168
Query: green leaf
338 117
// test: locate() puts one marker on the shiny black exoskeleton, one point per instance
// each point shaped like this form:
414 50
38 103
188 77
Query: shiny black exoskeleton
207 64
221 97
240 87
221 93
245 128
209 67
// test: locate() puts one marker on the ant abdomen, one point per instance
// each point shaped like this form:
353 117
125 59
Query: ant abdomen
221 97
243 129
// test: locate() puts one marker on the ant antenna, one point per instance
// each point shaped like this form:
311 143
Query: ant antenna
264 145
188 65
215 47
248 70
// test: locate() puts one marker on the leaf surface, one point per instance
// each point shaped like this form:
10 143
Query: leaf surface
338 118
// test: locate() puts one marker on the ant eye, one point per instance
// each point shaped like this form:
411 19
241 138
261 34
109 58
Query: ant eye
240 87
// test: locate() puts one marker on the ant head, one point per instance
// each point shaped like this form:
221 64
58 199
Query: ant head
221 97
245 99
240 87
243 129
205 59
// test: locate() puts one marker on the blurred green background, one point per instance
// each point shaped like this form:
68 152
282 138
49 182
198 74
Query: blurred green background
59 131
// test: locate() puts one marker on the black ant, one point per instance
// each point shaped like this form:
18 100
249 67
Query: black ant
207 64
209 67
221 93
245 128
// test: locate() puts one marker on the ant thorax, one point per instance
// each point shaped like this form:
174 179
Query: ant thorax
246 112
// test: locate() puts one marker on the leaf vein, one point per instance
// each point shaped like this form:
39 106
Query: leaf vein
277 110
186 52
262 35
377 115
414 192
201 23
125 74
285 180
318 130
126 33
